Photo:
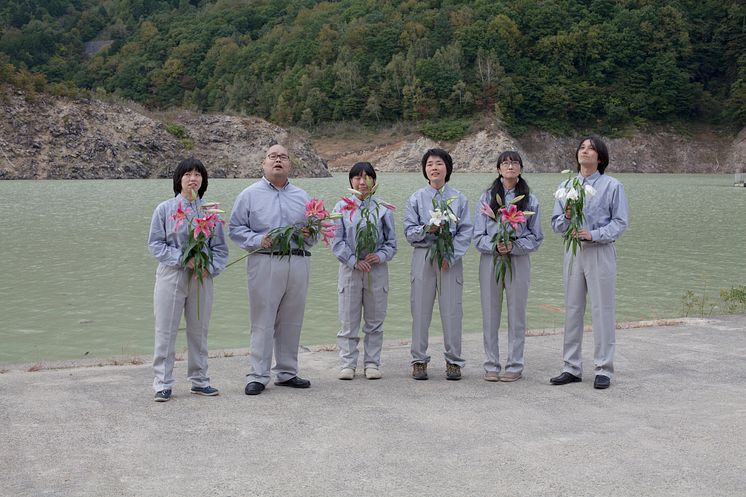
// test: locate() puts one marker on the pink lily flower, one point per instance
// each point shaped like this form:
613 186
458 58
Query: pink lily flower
350 206
180 216
315 208
512 215
390 207
487 211
204 225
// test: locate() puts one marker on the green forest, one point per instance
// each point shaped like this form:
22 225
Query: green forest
553 64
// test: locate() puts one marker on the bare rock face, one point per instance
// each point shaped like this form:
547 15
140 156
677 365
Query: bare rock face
479 152
656 150
736 157
63 138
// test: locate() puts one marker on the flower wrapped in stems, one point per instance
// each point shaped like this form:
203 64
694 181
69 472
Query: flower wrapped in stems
197 255
441 218
318 223
573 193
366 229
508 218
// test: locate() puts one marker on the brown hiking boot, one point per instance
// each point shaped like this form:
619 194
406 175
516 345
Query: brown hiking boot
419 371
453 371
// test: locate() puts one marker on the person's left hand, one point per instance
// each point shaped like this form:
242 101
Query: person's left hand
445 264
502 249
372 259
306 233
584 234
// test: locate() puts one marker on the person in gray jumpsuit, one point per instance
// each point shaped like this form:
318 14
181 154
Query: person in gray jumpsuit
363 282
592 271
528 236
437 166
277 285
176 287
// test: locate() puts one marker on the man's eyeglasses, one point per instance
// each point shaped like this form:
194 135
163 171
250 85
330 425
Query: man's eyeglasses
282 157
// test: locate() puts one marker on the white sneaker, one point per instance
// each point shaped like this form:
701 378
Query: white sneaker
346 374
373 373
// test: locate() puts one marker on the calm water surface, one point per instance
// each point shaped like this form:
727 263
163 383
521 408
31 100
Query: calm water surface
77 279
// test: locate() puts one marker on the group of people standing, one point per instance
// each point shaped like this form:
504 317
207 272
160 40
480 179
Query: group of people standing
278 281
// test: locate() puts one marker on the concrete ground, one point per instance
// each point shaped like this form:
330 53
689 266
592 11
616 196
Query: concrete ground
673 423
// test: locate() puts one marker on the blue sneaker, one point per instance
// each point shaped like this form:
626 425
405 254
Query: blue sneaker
162 396
207 391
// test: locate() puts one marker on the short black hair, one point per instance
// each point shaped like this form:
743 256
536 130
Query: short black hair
185 166
600 147
445 156
360 168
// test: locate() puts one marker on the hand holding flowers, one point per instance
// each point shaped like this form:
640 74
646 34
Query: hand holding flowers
502 241
197 255
441 217
318 222
573 193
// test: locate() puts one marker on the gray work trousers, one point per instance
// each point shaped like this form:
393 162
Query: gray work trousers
174 295
362 295
424 277
277 299
491 295
593 274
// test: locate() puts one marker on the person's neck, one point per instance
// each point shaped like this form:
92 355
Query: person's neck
437 185
278 183
587 171
509 184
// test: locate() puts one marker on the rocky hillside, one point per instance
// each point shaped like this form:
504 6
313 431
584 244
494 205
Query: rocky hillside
62 138
48 137
654 150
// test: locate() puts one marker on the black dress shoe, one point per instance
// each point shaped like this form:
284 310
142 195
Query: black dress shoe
565 378
294 382
601 382
254 388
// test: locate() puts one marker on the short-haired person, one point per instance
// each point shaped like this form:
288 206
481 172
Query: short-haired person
592 271
277 285
363 276
177 290
437 166
528 236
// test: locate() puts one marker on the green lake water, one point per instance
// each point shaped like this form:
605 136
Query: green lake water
77 280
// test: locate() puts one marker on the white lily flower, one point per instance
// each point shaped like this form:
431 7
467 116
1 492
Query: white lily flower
589 190
572 194
560 194
452 216
436 218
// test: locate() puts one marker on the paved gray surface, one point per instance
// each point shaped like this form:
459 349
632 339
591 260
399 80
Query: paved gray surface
673 423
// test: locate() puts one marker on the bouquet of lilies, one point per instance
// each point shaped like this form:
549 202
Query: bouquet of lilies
573 194
318 222
441 216
366 229
509 220
201 230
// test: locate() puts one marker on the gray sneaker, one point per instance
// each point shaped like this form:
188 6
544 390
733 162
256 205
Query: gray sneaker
162 396
419 371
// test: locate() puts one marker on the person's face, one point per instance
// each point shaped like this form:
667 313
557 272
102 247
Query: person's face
436 171
191 182
276 165
360 183
587 155
510 169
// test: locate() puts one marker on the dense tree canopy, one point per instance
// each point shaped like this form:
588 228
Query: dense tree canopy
556 64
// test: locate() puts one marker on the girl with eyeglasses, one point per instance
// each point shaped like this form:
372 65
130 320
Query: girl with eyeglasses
514 283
